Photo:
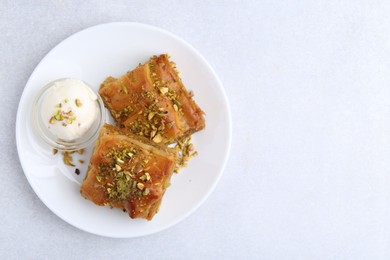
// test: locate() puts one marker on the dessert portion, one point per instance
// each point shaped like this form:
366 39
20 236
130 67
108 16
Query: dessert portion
131 164
151 101
128 172
68 109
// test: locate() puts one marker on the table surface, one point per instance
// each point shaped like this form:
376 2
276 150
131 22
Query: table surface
309 87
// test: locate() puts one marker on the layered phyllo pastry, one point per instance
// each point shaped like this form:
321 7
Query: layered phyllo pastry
151 101
129 172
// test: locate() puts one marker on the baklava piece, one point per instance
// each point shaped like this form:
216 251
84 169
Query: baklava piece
128 172
151 101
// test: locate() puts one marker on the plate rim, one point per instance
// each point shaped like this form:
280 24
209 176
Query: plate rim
228 130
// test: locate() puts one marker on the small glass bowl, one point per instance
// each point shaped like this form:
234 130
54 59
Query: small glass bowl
85 140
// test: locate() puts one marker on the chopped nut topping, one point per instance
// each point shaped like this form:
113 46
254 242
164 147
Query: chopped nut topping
157 138
151 115
153 133
118 160
146 191
140 185
68 159
164 90
65 117
57 115
124 185
78 102
120 188
186 152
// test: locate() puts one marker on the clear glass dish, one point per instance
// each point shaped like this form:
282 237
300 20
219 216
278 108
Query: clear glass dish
41 126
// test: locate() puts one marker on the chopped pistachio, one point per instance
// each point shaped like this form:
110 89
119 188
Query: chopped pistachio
186 152
98 178
153 133
140 186
78 102
146 192
66 100
68 159
58 115
157 138
118 160
151 115
164 90
52 120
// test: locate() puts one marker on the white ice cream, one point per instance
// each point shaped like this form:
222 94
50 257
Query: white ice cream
69 109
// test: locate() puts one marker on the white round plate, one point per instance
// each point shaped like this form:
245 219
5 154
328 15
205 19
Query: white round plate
92 55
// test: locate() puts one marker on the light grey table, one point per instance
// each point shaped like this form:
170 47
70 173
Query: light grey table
309 89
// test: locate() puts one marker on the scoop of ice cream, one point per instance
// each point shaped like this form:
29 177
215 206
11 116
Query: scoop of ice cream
69 109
